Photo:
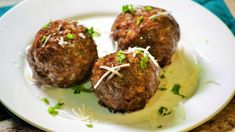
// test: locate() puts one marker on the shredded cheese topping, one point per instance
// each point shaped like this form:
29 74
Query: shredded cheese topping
46 40
165 13
85 114
113 70
59 27
134 50
62 42
82 35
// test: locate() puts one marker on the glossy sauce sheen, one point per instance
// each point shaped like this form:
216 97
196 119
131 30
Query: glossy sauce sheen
182 71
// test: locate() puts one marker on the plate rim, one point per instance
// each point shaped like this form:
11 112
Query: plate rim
190 128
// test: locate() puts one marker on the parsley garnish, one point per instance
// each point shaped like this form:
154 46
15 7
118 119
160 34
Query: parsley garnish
84 87
143 62
154 18
70 36
53 110
43 39
91 32
162 89
45 100
148 8
160 126
176 90
163 111
162 76
47 25
128 9
89 125
139 51
120 57
140 19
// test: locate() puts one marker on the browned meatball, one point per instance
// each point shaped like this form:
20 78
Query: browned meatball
130 91
62 54
147 26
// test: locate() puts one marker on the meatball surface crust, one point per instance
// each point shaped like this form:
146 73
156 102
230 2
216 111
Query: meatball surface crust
62 54
148 26
130 92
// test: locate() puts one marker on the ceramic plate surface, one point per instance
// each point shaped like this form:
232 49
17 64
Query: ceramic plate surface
202 34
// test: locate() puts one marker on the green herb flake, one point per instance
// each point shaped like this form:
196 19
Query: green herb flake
53 110
139 51
84 87
43 39
120 57
128 9
160 126
140 19
162 76
176 90
59 104
91 32
70 36
47 25
154 18
45 100
89 125
148 8
163 89
163 111
143 62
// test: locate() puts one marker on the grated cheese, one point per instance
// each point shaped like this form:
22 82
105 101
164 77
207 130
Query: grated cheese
59 27
165 13
84 114
82 35
62 42
114 70
146 52
46 40
113 74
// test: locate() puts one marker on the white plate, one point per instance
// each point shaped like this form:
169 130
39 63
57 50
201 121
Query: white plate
202 31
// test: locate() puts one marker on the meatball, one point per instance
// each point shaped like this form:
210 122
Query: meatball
147 26
62 54
125 81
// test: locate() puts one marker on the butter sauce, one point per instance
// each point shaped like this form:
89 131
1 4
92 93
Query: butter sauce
183 71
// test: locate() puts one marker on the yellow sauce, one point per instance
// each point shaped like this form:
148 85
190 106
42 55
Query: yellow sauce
182 71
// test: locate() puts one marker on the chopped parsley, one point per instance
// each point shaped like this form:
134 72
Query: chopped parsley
45 100
120 57
128 9
43 39
84 87
139 51
47 25
143 62
162 76
70 36
154 18
148 8
53 110
89 125
140 19
163 89
91 32
176 90
160 126
163 111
